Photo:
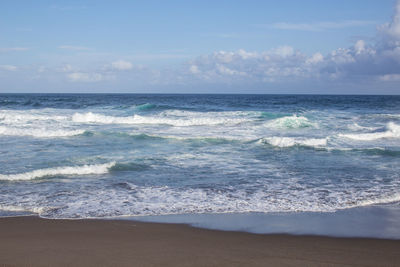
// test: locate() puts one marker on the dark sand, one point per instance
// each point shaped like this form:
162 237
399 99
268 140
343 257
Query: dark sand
31 241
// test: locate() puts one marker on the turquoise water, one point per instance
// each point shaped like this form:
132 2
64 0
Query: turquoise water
96 156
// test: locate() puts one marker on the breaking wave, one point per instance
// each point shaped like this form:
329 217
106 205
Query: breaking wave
291 122
12 117
12 131
49 172
392 131
145 107
291 141
138 119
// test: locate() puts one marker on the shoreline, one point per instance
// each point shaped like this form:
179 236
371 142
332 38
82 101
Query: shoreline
375 221
34 241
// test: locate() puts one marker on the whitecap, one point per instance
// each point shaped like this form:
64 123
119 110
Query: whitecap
66 170
138 119
291 141
393 131
291 122
13 131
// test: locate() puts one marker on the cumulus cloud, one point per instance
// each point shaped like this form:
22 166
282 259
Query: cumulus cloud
270 65
390 77
121 65
8 67
378 61
67 68
112 71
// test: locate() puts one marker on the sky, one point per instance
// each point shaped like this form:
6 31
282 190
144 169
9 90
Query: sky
285 46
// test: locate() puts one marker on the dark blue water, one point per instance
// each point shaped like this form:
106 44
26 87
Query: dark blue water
78 156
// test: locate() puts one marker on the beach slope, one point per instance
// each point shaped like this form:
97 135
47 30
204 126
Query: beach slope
31 241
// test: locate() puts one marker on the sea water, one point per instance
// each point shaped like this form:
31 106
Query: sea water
102 156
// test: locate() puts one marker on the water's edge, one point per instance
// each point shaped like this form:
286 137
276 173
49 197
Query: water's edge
376 221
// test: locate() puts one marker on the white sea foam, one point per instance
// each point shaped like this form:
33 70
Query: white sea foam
137 200
37 210
291 141
356 127
392 131
381 200
138 119
13 131
128 199
17 117
67 170
291 122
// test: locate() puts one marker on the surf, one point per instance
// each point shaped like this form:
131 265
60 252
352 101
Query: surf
59 171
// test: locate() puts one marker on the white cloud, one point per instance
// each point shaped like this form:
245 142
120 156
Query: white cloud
8 67
359 46
316 58
11 49
194 69
73 47
393 28
378 61
121 65
284 51
67 68
85 77
320 26
390 77
227 71
272 65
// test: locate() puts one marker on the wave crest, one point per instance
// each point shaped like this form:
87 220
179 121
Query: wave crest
12 131
291 141
137 119
291 122
69 170
393 131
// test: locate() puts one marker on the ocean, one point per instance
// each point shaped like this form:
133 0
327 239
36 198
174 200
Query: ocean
123 155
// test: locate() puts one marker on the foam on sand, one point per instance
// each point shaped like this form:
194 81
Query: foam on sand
68 170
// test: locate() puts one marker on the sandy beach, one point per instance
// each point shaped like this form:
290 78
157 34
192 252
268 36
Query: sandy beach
31 241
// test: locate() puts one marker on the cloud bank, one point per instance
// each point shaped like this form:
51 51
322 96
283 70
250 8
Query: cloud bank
379 61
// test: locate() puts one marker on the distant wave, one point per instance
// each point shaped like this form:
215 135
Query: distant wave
12 131
291 141
17 116
392 131
138 119
68 170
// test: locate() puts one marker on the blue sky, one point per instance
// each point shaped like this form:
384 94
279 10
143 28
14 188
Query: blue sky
200 46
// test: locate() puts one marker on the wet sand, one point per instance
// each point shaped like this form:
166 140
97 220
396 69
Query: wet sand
31 241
